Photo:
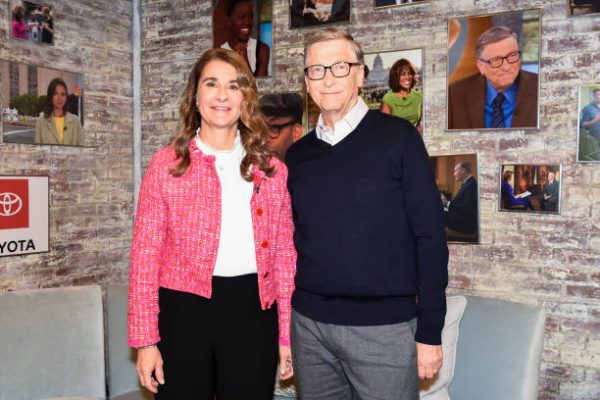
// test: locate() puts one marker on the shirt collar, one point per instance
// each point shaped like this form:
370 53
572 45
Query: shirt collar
344 126
510 94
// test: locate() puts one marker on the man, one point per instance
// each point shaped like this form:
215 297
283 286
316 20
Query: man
462 210
370 238
590 116
283 113
549 198
501 95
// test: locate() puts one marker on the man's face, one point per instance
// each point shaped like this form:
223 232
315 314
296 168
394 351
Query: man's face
334 96
283 132
551 176
597 97
459 173
502 77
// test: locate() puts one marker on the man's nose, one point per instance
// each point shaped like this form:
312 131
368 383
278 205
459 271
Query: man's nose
329 79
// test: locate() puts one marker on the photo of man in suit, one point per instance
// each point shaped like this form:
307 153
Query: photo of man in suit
461 212
501 95
549 198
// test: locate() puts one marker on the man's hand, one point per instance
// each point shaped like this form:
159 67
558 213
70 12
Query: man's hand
149 360
429 360
286 369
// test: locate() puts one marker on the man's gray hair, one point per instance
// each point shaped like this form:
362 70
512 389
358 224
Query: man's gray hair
327 34
466 166
493 35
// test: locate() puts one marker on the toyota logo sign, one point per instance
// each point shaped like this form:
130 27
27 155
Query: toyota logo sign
10 204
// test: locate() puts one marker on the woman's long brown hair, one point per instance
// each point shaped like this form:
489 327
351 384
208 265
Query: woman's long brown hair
252 126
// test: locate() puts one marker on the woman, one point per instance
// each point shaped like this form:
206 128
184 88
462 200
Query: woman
253 51
402 101
212 248
19 30
57 126
509 200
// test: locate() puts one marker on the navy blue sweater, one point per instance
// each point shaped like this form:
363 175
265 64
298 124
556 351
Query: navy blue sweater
369 229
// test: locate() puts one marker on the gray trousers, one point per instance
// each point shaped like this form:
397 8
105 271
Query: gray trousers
337 362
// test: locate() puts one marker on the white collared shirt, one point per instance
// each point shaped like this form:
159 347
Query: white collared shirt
343 127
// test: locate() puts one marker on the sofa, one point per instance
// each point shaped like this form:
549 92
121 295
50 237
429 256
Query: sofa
53 347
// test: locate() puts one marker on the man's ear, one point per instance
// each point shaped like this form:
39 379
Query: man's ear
297 132
481 67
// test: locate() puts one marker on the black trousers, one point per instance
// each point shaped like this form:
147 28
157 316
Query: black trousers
225 347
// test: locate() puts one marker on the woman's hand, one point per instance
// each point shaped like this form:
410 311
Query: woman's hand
286 370
149 360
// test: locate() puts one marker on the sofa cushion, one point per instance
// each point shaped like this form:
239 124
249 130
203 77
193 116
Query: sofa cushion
52 343
434 389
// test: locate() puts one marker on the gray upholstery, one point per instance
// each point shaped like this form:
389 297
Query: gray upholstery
123 381
52 344
499 351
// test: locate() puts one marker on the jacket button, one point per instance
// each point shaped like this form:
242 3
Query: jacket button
265 244
259 212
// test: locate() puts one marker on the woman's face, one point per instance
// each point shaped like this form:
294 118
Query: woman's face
219 97
241 21
406 78
59 99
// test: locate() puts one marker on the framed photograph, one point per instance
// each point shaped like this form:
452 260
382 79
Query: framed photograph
32 21
530 188
493 71
23 215
246 26
318 12
311 113
393 3
40 105
394 84
582 7
456 179
588 126
284 114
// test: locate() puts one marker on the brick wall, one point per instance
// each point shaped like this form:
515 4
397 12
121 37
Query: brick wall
91 187
551 261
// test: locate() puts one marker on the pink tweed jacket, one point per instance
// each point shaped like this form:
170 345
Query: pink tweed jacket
176 238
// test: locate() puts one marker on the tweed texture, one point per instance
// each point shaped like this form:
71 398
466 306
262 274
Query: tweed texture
176 238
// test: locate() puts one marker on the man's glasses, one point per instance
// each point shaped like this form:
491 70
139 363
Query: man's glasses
496 62
275 130
339 70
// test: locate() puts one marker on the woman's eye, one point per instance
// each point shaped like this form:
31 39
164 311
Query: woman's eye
234 87
211 84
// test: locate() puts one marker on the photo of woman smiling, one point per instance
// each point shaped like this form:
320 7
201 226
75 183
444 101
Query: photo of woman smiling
242 31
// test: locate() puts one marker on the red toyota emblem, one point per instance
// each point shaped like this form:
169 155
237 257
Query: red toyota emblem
10 204
14 203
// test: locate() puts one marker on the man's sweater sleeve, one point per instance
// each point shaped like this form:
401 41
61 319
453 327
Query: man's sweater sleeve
426 220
